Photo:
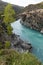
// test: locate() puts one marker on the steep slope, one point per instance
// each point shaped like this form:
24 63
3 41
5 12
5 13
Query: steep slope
34 6
16 7
12 57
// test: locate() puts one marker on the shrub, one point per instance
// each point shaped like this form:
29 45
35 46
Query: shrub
9 29
9 14
1 45
7 44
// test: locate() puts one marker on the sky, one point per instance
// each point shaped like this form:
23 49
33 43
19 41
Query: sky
23 2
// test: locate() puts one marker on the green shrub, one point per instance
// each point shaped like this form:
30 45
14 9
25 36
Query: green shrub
7 44
9 14
1 45
9 29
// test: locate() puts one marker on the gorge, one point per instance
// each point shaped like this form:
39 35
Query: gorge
21 34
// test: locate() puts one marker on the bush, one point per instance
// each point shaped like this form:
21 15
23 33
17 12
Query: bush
1 45
9 29
9 14
7 44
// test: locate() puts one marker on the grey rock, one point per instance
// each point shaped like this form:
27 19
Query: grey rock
20 45
33 19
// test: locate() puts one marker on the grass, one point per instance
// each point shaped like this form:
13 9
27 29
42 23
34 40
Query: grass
11 57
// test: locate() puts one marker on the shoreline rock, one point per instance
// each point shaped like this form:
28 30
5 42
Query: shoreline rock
20 45
33 19
42 30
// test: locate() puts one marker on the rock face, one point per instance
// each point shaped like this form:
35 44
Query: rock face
33 19
20 45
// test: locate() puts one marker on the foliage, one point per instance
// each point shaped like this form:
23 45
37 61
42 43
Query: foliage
1 29
1 45
1 13
9 29
12 57
9 14
7 44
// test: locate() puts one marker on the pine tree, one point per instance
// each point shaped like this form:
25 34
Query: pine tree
9 14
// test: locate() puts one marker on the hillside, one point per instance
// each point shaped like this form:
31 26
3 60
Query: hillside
16 7
12 57
34 6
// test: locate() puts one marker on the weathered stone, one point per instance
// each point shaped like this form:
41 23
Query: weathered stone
20 45
34 19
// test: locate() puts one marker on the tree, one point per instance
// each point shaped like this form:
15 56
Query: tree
9 14
9 29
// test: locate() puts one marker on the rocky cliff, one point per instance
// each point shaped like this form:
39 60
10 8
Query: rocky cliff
33 19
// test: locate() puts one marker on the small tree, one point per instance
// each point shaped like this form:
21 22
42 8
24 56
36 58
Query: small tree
7 44
9 29
9 14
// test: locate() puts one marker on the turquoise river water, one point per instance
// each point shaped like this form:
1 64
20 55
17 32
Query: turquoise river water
32 36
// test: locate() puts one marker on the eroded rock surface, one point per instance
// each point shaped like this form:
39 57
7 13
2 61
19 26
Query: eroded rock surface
33 19
20 45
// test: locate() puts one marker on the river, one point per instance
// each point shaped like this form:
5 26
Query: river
32 36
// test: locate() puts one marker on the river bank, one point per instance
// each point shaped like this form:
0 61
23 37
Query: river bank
20 45
33 19
31 36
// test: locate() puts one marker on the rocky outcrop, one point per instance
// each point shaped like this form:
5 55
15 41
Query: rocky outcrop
33 19
20 45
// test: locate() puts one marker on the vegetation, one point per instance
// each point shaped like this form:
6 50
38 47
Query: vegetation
17 8
12 57
9 14
7 44
1 45
9 29
40 5
5 26
7 55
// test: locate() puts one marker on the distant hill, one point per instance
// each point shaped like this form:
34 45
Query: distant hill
17 8
34 6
